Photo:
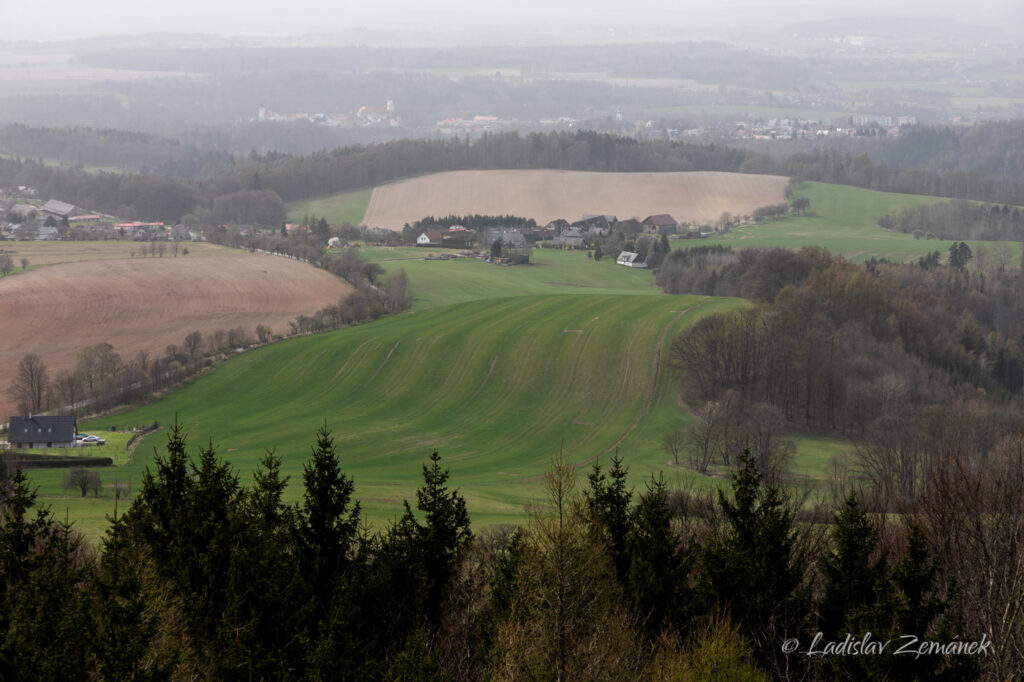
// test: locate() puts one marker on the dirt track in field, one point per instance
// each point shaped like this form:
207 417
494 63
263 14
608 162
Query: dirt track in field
137 304
698 197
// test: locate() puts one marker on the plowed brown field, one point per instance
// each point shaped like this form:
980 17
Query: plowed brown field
146 304
698 197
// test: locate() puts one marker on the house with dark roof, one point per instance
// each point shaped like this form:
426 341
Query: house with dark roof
558 224
660 223
458 239
595 224
42 432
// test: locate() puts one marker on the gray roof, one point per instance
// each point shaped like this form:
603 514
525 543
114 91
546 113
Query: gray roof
58 207
41 429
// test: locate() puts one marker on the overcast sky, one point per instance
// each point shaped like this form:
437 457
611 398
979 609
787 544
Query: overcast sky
63 19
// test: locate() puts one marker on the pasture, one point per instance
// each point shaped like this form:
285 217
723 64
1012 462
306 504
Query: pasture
845 221
347 207
497 386
551 271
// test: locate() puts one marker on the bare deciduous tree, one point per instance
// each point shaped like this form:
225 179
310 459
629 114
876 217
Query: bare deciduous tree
566 619
974 514
30 384
193 342
673 443
84 480
68 389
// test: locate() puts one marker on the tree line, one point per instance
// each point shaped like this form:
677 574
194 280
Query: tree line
254 189
207 577
959 220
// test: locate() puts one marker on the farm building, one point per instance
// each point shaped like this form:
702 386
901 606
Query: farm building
429 238
459 239
509 236
58 209
661 223
572 238
630 260
42 432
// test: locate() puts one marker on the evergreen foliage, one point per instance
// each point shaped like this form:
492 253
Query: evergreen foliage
206 579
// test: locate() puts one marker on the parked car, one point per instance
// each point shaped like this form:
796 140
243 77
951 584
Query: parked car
91 439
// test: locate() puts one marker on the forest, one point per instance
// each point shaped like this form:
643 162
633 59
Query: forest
919 365
206 577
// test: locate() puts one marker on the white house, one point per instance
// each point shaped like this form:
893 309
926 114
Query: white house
430 238
630 260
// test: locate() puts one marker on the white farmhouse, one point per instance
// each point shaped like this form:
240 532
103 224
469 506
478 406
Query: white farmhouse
631 260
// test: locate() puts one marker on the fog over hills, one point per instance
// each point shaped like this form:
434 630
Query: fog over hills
465 22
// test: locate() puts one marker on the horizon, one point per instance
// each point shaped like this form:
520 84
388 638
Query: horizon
409 23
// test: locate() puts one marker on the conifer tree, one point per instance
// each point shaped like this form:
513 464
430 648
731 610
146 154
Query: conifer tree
755 569
857 592
657 579
608 500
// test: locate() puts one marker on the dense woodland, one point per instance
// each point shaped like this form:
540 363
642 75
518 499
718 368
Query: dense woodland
919 364
208 577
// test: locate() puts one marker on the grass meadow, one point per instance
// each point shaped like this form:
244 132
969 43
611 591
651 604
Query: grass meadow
497 386
845 221
348 207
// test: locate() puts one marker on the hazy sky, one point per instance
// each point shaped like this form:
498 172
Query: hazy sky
62 19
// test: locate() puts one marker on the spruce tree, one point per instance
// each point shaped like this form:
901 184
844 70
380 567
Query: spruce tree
755 570
608 501
658 568
857 592
445 534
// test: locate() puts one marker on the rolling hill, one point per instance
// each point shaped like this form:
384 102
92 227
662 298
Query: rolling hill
497 386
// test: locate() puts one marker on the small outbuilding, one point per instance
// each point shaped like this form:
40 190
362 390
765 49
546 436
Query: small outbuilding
630 260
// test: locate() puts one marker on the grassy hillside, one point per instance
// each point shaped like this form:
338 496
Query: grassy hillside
497 387
845 221
347 207
551 271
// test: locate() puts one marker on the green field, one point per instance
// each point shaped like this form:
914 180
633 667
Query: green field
845 221
348 207
497 386
552 271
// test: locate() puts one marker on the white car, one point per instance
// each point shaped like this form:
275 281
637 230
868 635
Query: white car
90 439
